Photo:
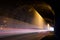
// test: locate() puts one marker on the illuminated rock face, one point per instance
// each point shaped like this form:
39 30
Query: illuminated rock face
38 19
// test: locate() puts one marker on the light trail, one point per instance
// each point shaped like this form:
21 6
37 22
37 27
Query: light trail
15 31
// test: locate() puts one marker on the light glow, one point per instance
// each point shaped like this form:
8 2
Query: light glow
48 26
51 29
38 19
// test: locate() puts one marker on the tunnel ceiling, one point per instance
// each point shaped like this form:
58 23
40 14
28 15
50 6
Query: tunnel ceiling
48 16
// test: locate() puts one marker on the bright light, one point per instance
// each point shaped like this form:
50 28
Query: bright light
48 26
51 29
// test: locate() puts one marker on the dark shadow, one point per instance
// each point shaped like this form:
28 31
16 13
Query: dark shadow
49 37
